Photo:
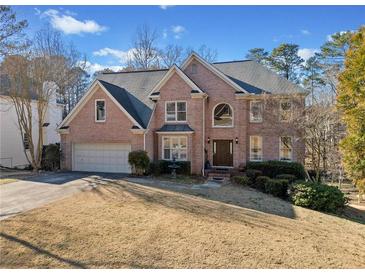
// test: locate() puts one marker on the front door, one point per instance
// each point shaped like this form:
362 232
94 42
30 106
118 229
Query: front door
222 152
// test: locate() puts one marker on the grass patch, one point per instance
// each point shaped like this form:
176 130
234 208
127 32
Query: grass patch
4 181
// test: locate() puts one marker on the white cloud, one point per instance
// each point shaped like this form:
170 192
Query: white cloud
37 11
178 30
305 32
165 7
306 53
164 34
69 25
122 56
91 68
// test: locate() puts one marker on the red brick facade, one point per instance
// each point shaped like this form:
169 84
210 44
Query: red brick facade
83 127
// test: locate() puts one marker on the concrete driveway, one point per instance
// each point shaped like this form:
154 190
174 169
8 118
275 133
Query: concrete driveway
35 191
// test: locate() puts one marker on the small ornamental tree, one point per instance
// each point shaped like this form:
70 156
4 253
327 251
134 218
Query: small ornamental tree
351 102
139 161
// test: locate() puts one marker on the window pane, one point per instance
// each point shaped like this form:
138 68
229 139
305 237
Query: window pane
183 142
100 110
175 154
181 106
166 142
170 116
170 107
183 154
175 142
181 116
223 115
256 111
166 154
256 148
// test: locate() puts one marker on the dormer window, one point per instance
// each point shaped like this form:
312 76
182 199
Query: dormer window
100 113
194 69
175 111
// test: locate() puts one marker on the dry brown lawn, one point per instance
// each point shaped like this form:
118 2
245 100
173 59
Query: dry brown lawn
126 225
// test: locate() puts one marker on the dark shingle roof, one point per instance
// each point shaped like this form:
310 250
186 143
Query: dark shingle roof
256 78
175 127
139 111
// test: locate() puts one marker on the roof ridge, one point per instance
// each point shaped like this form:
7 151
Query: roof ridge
134 71
232 61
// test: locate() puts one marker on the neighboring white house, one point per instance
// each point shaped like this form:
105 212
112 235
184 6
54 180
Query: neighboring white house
11 141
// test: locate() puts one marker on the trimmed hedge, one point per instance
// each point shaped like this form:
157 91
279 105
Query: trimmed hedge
277 187
290 177
275 168
242 180
253 174
260 182
162 167
318 196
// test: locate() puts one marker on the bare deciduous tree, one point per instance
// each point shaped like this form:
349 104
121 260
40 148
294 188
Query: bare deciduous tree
145 54
170 55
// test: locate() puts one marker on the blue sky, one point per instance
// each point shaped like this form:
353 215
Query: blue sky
104 33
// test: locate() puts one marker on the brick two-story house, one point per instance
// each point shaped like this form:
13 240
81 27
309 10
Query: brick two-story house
198 112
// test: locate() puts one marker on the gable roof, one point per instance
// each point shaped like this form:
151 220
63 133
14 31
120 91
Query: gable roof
256 78
168 75
138 110
213 69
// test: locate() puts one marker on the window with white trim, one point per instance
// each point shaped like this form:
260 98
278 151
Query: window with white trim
175 111
285 110
174 148
255 148
286 148
255 111
223 116
100 113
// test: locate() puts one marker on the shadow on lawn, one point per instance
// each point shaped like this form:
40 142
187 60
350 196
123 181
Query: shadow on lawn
42 251
204 207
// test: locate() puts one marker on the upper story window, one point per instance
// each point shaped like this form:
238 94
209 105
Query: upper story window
285 110
100 113
194 69
175 111
255 148
256 111
223 116
286 148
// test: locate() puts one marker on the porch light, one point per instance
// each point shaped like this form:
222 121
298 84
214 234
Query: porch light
208 140
236 140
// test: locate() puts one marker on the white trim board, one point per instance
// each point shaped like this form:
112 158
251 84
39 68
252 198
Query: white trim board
167 76
85 99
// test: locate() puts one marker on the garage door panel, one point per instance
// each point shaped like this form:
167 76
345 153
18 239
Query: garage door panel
101 157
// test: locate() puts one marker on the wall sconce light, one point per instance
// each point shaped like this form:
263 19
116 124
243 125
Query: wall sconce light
208 140
236 140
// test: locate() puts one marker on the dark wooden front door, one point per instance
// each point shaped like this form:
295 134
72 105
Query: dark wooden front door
222 152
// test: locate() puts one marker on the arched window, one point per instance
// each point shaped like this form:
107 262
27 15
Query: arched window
223 116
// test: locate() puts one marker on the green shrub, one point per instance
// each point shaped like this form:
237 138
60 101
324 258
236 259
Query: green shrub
241 180
51 156
317 196
253 174
154 168
260 182
277 187
274 168
139 161
162 167
290 177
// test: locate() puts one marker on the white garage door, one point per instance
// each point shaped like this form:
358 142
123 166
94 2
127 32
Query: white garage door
101 157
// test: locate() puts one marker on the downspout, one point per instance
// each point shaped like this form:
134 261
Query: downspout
204 98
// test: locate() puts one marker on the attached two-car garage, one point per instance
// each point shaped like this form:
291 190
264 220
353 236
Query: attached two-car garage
105 157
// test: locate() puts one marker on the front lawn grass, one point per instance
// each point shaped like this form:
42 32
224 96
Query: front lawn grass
124 225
